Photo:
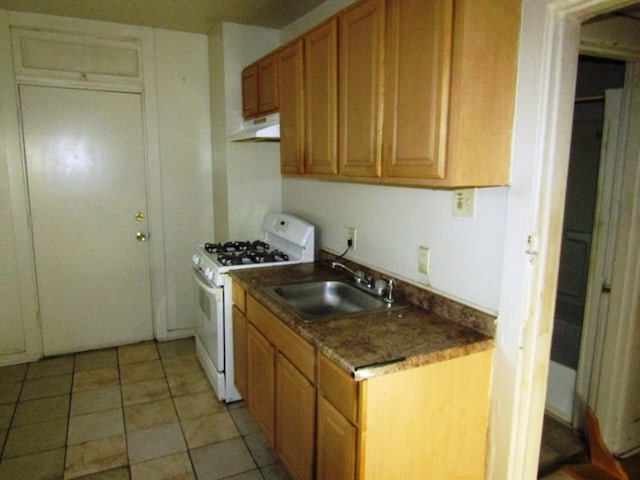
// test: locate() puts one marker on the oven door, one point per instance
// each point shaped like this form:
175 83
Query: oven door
210 323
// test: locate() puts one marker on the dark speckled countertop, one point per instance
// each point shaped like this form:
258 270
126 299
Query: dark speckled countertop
370 343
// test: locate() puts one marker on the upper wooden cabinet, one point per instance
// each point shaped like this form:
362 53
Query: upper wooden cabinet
361 41
426 93
268 84
418 66
260 87
290 80
482 91
321 99
449 104
250 106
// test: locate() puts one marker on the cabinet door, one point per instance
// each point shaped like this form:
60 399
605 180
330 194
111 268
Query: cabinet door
482 91
336 444
418 65
361 34
268 84
295 419
240 351
261 381
290 81
321 101
250 107
437 410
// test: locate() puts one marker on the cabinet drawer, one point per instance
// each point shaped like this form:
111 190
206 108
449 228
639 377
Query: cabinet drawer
339 388
239 297
299 352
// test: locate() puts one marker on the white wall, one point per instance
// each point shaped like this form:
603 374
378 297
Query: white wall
182 80
314 17
249 172
12 339
392 222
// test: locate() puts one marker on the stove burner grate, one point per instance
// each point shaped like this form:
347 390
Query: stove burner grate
251 257
237 246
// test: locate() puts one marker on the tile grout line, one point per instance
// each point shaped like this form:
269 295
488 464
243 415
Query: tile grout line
175 409
66 443
124 421
13 416
179 392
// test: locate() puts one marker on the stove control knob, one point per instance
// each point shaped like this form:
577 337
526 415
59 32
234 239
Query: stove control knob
196 259
208 273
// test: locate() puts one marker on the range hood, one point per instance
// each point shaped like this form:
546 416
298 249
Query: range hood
261 129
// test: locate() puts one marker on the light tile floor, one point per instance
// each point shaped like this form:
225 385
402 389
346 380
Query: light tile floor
143 411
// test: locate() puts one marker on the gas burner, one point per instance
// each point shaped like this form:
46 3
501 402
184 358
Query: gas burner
259 246
271 257
237 246
233 258
249 257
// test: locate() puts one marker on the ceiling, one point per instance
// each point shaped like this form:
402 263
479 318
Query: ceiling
199 15
185 15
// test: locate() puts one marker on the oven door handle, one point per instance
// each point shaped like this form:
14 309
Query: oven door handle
216 291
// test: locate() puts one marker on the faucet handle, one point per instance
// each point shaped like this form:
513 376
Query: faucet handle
390 284
380 286
361 277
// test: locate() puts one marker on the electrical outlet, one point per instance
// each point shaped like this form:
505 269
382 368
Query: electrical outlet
464 203
423 259
351 237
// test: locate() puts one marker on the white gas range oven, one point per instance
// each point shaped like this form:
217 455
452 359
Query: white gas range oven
286 240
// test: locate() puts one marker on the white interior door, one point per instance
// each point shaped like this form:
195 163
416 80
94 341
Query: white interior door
590 266
85 164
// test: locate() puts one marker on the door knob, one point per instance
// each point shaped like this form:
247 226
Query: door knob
141 237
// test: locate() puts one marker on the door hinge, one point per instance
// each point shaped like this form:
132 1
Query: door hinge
532 244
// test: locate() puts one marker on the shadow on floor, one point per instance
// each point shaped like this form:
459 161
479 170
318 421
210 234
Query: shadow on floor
562 445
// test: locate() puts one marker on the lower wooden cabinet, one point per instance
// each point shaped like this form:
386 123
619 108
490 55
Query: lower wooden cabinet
295 419
281 393
240 351
336 444
261 381
411 424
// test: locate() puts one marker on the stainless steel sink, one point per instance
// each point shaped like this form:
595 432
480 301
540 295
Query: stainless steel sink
318 300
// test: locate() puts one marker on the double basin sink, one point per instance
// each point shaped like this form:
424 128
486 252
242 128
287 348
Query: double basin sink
327 299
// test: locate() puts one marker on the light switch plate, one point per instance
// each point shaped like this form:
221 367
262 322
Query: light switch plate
423 260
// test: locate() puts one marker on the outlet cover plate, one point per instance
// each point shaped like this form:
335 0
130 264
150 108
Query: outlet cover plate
464 203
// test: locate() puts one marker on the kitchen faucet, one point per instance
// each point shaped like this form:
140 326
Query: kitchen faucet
358 276
366 283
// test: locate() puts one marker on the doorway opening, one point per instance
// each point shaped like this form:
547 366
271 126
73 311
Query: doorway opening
587 162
